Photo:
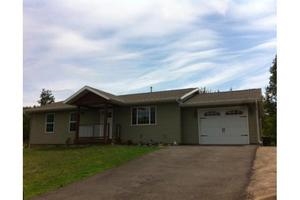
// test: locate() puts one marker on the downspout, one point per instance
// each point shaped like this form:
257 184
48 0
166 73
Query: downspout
257 123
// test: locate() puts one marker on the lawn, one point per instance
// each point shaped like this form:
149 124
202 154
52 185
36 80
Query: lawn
47 169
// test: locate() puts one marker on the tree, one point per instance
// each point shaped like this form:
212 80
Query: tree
26 125
46 97
270 104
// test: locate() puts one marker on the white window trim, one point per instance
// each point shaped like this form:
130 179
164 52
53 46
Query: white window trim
149 110
71 122
46 123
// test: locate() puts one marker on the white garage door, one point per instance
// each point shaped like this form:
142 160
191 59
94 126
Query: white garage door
223 125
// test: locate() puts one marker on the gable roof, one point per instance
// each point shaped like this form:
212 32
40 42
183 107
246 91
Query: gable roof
185 97
222 98
156 97
129 99
82 91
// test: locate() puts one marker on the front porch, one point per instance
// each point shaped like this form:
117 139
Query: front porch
94 133
94 119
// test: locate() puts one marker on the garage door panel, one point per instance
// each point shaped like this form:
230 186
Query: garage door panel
229 127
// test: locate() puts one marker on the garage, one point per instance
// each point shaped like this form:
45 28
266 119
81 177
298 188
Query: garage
226 125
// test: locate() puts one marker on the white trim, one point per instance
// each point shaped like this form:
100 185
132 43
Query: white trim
149 110
182 98
83 89
110 121
72 121
53 123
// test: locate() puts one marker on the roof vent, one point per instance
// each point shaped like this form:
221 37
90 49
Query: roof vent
150 89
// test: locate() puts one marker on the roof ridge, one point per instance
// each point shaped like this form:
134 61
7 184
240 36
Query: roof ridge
244 90
156 91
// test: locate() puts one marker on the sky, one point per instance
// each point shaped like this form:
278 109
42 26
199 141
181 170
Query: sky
127 46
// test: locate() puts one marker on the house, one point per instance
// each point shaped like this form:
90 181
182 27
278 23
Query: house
184 116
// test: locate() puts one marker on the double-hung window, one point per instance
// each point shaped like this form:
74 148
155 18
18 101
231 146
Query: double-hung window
143 115
73 122
50 123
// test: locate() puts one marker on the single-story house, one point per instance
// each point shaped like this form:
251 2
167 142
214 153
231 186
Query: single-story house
183 116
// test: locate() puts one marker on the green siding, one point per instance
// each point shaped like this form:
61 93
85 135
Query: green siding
61 129
89 117
189 126
252 123
173 124
166 130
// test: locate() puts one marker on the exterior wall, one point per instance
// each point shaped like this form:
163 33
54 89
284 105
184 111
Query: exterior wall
252 124
166 130
189 121
89 117
190 125
172 124
61 133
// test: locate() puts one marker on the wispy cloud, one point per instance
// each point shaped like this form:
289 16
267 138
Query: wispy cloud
128 46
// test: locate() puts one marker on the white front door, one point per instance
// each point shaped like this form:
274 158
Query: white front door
228 125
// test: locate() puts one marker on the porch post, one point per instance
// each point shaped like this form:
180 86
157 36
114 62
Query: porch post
105 123
77 124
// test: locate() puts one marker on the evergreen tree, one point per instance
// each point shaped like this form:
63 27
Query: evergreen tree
46 97
270 104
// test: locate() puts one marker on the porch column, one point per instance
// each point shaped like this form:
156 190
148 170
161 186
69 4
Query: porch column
78 122
105 124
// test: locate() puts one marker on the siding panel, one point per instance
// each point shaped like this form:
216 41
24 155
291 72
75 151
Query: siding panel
189 126
167 129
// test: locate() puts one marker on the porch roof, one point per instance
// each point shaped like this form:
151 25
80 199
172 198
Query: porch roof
98 95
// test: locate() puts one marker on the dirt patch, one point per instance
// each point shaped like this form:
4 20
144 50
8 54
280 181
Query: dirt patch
262 185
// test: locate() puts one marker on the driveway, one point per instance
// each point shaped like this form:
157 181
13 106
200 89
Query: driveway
179 172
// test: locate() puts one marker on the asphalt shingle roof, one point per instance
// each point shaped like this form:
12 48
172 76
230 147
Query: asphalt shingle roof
52 107
161 96
238 96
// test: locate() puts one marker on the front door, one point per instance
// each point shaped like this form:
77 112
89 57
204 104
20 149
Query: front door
109 122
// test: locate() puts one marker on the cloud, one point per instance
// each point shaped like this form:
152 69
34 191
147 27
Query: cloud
137 44
255 81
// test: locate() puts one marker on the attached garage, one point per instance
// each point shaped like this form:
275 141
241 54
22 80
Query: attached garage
229 118
227 125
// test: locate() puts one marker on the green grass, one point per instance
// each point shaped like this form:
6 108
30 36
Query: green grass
47 169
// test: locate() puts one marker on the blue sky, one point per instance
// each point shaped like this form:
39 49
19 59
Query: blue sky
127 46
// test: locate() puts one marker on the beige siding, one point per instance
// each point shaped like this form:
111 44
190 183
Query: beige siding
167 129
61 133
189 126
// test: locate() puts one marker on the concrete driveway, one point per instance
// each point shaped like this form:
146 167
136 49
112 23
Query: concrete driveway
180 172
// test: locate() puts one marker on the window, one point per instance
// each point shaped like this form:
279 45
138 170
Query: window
50 123
73 121
234 112
211 113
143 115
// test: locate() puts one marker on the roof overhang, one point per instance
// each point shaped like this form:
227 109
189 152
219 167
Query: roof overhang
86 89
219 102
